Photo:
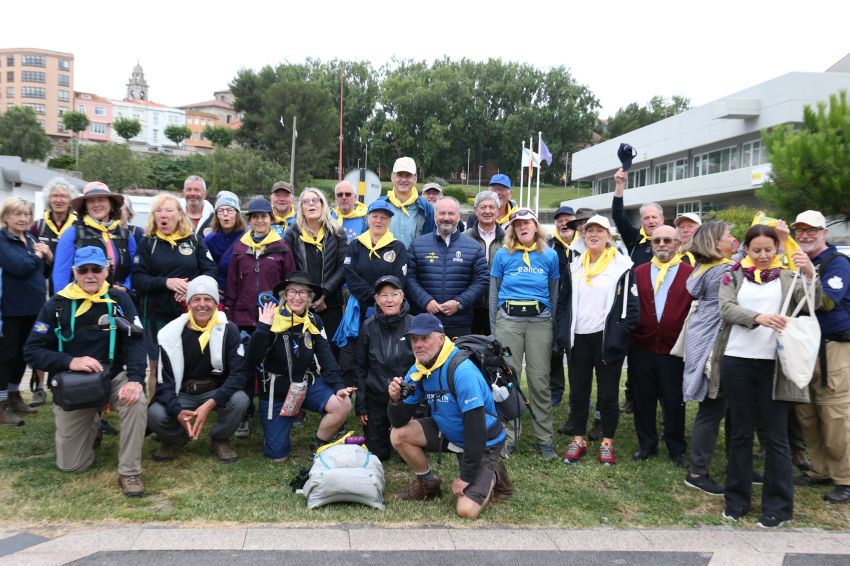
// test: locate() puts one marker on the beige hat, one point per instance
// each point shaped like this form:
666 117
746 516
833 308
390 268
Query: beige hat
693 217
404 164
282 186
811 218
599 220
432 186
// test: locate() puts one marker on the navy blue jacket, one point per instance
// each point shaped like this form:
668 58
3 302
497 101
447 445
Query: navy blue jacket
24 289
439 272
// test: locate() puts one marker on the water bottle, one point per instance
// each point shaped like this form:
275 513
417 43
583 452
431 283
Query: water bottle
499 393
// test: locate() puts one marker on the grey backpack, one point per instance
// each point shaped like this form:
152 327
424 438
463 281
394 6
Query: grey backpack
345 473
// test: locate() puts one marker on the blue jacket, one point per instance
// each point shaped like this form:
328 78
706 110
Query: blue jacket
24 287
439 272
424 218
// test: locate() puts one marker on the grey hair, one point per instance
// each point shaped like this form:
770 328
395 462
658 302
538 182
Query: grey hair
453 199
485 195
55 184
195 178
655 204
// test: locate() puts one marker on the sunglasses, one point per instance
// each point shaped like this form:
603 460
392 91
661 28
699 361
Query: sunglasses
657 241
524 213
344 195
83 270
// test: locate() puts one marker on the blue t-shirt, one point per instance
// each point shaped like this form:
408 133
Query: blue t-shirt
351 227
836 283
472 392
523 283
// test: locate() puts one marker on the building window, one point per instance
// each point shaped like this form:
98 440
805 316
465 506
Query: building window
33 61
10 76
64 64
689 206
82 108
638 178
99 111
61 111
671 171
10 61
64 80
33 76
85 96
98 128
10 92
605 185
33 92
713 206
41 123
725 159
156 117
753 153
37 108
64 96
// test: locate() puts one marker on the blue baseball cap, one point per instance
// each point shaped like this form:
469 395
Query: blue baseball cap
90 255
424 324
259 204
500 179
380 204
626 153
565 210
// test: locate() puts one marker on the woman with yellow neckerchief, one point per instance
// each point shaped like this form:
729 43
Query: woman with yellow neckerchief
98 224
289 344
597 310
168 258
58 217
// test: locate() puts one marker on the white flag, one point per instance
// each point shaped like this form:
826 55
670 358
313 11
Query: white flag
528 155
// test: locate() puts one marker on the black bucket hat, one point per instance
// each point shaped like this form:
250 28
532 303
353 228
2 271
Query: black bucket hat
301 278
581 214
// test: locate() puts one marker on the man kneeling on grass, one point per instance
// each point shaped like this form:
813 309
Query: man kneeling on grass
463 421
201 367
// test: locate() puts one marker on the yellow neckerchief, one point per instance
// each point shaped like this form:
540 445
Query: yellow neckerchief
748 262
576 237
366 239
703 267
601 264
358 212
644 237
206 331
507 216
414 194
59 231
445 352
525 249
692 260
104 229
563 243
662 270
309 239
255 247
72 291
283 322
284 219
790 246
171 239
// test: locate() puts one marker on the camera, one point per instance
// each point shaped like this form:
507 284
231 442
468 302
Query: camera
407 389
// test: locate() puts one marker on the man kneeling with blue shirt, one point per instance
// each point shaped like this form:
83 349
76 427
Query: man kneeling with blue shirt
463 421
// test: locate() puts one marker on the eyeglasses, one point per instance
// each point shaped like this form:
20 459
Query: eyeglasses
225 211
310 201
807 231
387 296
338 195
657 241
297 292
83 270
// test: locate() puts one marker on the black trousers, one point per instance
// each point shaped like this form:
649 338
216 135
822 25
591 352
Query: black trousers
557 380
585 357
748 386
654 377
377 430
16 330
705 430
480 321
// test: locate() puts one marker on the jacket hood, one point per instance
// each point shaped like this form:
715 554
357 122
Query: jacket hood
392 320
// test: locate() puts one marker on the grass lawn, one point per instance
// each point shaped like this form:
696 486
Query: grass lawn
198 490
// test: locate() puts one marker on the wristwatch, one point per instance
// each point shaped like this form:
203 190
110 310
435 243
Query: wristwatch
459 305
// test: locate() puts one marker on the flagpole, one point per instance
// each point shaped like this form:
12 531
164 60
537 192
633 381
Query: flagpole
521 174
539 167
530 170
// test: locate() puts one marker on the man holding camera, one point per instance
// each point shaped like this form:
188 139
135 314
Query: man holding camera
462 421
202 367
87 328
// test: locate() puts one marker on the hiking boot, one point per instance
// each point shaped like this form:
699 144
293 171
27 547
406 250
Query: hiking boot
574 452
299 419
801 460
420 490
547 452
17 405
166 452
244 429
595 433
839 494
39 397
606 453
628 407
504 487
224 451
704 483
132 486
508 450
567 428
807 480
7 417
107 428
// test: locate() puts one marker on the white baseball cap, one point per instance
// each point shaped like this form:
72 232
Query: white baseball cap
599 220
811 218
405 164
693 217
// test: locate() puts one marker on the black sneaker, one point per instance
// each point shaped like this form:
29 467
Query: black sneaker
704 483
107 428
770 522
730 515
839 494
758 479
807 480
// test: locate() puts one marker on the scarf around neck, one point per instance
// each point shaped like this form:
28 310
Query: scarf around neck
69 221
309 239
284 319
759 276
525 249
703 267
414 194
171 238
284 219
644 237
75 293
366 239
206 331
358 212
445 352
258 247
601 264
663 268
507 216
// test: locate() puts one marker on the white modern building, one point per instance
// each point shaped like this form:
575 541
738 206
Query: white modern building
707 158
153 117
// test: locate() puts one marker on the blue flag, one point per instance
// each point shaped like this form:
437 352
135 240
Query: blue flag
545 154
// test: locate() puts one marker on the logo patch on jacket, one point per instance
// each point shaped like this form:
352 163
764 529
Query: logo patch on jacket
431 257
40 327
389 256
185 248
458 256
835 283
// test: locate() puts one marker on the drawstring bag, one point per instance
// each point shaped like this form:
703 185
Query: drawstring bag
798 344
297 389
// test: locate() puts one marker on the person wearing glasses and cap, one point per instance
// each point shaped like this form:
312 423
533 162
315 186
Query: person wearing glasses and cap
523 295
349 213
282 199
83 310
413 214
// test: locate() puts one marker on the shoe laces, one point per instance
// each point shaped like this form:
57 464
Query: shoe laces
133 480
574 448
606 449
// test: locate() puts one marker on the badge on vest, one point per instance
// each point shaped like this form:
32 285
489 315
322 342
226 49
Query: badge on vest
389 256
835 283
308 340
185 248
431 257
458 256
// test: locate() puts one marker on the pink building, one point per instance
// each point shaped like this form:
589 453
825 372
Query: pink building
99 112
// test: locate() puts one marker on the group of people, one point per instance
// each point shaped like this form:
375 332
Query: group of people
309 307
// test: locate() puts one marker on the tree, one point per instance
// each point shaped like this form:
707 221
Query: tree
177 133
22 135
220 136
635 116
811 165
243 171
113 164
76 122
127 128
168 173
740 216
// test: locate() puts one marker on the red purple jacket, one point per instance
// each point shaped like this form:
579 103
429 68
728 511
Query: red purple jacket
652 335
248 276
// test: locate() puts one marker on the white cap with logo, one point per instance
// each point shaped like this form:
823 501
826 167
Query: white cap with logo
404 165
811 218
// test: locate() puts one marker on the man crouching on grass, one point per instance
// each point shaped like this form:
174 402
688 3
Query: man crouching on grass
464 422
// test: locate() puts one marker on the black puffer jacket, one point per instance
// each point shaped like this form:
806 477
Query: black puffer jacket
334 247
383 352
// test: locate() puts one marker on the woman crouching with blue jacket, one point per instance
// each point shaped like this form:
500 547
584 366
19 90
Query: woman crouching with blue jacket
287 342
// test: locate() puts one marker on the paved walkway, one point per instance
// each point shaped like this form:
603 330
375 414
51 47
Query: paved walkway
230 546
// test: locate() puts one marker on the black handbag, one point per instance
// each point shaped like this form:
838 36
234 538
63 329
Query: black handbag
74 390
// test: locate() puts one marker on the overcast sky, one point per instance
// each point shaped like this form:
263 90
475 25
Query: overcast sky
624 51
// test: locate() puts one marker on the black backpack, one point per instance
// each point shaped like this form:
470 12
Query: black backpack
491 358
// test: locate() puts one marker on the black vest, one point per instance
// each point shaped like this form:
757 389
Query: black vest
120 236
46 235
